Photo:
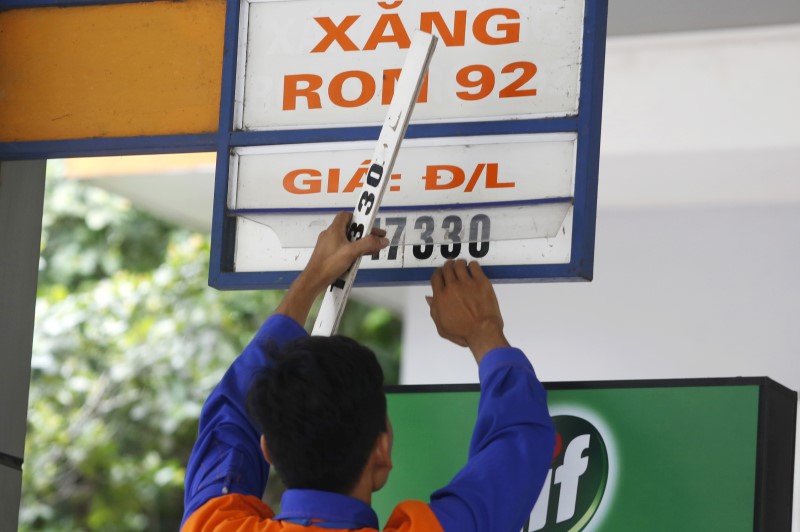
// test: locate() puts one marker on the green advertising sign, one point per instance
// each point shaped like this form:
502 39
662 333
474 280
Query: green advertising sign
658 457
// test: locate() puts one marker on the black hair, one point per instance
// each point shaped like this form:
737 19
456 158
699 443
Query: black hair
321 408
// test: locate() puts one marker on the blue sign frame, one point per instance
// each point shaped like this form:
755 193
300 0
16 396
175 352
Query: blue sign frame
586 124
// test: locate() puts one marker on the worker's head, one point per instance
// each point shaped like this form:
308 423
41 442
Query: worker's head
322 411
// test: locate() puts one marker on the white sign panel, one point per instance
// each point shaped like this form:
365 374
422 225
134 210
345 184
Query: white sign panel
417 239
334 63
501 199
447 171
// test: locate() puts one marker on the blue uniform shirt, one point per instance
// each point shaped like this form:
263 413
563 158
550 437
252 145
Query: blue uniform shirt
509 455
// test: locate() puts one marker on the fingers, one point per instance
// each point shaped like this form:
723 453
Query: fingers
460 270
378 232
449 272
341 220
453 271
476 271
437 281
369 244
464 307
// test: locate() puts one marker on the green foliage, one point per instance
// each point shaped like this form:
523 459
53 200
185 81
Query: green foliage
129 341
379 329
88 234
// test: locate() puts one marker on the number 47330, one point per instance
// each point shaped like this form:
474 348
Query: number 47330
445 234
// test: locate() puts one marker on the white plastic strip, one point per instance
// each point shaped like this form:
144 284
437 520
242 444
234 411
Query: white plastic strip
389 141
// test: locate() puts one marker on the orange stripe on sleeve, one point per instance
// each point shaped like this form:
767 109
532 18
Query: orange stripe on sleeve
231 513
413 516
240 513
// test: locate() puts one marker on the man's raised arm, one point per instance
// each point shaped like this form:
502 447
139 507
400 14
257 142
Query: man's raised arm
227 455
513 440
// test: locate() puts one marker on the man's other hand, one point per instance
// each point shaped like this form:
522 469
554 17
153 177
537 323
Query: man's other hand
464 308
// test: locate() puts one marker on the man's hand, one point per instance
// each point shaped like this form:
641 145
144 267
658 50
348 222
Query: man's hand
332 256
464 308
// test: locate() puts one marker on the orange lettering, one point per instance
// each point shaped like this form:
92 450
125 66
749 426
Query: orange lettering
491 178
509 32
336 88
514 89
292 91
355 181
333 180
311 184
455 38
399 34
395 188
475 176
335 34
433 178
484 83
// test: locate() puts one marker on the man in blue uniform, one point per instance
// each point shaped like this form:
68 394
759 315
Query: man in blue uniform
314 408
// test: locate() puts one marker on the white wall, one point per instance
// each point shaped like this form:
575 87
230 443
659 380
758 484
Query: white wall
678 293
698 233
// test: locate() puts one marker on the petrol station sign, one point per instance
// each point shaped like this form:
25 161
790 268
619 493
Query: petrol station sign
499 163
